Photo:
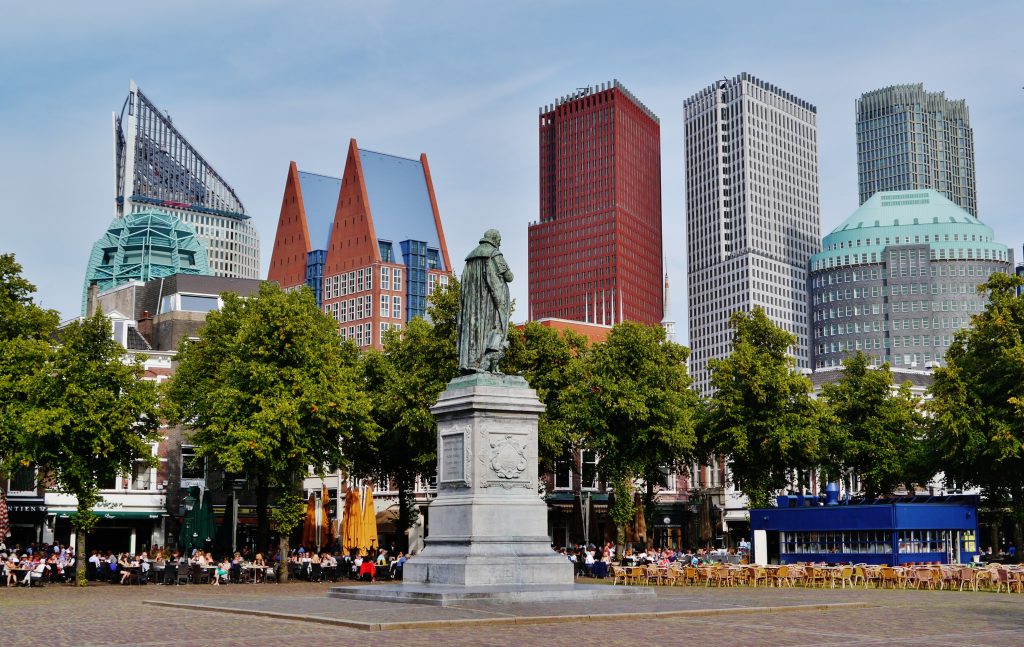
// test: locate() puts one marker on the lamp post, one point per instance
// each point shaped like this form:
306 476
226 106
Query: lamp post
190 503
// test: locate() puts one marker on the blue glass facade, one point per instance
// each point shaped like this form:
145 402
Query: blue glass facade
315 273
415 255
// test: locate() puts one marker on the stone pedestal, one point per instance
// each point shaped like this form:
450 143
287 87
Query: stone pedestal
488 524
487 538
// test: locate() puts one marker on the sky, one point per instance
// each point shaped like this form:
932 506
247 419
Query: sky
256 84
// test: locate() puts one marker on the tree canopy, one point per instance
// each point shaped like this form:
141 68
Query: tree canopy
977 431
544 355
403 381
90 417
761 416
870 430
630 400
268 388
25 346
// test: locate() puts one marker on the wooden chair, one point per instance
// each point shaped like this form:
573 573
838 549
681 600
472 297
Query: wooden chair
672 575
887 577
651 573
781 577
968 576
759 574
817 575
843 575
1002 580
690 575
859 576
619 575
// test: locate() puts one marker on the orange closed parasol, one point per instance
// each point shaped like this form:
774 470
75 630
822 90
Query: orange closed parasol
309 527
326 527
352 522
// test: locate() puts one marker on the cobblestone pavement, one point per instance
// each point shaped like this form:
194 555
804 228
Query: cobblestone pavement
115 615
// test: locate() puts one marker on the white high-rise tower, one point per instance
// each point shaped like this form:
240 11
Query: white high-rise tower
752 212
156 167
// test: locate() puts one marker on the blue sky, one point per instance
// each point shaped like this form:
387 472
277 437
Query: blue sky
256 84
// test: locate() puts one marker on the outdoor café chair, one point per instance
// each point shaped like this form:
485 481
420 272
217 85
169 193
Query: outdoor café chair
652 574
619 575
781 577
170 573
200 575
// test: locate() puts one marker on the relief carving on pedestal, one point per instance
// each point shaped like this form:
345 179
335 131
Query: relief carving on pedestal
508 457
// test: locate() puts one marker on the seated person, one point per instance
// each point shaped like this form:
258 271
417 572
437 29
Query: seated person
367 571
222 572
12 577
37 573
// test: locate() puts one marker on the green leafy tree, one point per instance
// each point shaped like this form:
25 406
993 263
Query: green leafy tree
977 435
870 430
761 415
403 381
543 355
269 389
90 417
631 396
25 345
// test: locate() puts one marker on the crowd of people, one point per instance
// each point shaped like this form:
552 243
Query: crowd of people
594 561
36 564
329 565
46 563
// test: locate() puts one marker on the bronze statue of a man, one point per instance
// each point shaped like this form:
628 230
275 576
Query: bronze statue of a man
484 307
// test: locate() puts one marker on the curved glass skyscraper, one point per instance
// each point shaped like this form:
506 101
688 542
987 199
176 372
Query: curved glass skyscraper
155 166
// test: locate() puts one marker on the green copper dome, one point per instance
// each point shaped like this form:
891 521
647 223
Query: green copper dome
908 218
142 246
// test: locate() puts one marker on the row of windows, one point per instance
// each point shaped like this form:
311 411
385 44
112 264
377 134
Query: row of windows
361 280
863 541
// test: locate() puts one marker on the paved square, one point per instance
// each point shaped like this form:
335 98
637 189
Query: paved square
116 615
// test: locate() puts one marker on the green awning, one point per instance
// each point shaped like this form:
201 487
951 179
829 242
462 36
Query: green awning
113 514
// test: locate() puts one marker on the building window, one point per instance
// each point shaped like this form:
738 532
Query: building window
142 476
385 305
385 277
563 474
22 480
396 281
396 307
192 468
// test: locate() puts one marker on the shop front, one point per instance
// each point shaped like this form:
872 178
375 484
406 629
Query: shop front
876 531
116 531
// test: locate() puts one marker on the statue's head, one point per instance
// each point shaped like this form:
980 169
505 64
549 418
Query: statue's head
492 236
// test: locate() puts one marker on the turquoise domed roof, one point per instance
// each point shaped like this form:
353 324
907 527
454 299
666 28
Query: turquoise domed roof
142 246
907 218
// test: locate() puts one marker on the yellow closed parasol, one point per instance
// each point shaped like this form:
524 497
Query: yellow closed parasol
369 537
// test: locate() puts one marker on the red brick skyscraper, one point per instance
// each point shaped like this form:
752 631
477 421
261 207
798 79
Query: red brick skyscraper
596 253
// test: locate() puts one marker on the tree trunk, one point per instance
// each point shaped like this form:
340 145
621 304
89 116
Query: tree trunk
649 507
262 516
81 560
576 526
405 511
282 565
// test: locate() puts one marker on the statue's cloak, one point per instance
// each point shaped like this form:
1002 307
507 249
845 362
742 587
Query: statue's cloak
483 305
